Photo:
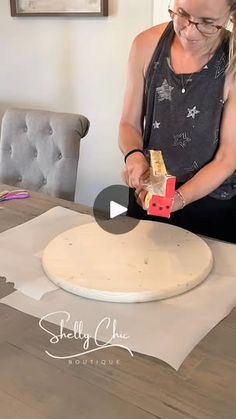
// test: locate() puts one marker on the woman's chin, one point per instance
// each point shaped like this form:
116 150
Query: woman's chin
190 44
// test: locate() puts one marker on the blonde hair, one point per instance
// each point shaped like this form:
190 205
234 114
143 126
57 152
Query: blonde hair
232 43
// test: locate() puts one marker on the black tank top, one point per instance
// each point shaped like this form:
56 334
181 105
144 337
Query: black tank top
182 112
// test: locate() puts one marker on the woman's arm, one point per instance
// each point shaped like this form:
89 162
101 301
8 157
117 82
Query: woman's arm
130 129
130 133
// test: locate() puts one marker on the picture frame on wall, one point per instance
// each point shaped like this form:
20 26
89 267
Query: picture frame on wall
59 8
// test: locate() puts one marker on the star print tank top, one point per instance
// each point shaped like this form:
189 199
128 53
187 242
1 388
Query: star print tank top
182 112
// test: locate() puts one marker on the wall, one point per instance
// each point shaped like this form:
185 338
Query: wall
160 11
74 65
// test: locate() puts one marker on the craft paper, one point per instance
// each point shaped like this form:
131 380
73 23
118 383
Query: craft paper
21 248
167 329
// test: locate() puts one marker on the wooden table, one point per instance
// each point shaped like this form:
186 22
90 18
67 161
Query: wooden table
35 386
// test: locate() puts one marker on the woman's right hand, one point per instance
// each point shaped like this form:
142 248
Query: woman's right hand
136 170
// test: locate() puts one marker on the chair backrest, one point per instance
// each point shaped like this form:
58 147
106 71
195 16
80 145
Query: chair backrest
39 150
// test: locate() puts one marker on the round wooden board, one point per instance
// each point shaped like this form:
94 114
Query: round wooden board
151 262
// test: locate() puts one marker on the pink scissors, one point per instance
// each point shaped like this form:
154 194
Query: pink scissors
15 194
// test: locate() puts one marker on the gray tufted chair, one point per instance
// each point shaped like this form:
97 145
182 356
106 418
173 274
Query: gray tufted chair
39 150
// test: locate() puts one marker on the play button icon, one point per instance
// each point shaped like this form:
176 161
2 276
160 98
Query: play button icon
110 209
116 209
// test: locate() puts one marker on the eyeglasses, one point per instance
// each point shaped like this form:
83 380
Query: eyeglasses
204 28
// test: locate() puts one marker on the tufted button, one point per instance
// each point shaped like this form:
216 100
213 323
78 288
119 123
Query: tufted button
19 179
44 181
25 128
50 131
10 150
35 153
59 156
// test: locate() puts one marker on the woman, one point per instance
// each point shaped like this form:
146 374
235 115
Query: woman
181 99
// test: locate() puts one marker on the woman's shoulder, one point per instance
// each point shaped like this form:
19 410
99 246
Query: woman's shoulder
150 37
145 42
229 87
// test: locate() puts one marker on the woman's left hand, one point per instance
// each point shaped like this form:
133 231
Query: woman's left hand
177 203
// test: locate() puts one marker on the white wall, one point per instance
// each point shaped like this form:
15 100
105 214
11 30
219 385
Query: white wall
160 11
74 65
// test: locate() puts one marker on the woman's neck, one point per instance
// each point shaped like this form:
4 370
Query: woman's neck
185 61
